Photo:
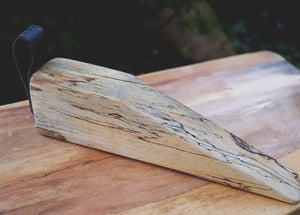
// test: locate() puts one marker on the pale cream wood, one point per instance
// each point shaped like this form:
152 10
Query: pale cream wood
118 113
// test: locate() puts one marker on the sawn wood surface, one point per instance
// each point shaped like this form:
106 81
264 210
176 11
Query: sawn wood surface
118 113
255 96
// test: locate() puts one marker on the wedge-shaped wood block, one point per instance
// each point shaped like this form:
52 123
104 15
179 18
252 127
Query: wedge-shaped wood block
117 112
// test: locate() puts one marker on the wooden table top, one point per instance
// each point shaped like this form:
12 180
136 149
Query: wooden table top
255 96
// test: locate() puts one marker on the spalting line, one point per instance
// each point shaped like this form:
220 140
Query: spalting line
178 128
239 142
235 159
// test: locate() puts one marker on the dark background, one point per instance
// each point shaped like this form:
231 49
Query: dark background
140 36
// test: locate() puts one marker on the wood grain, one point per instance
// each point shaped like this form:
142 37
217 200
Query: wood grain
219 199
116 112
65 180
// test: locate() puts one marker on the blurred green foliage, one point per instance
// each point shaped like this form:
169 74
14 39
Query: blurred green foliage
111 33
204 23
261 25
116 33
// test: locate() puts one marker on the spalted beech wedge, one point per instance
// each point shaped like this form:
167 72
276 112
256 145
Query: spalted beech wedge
117 112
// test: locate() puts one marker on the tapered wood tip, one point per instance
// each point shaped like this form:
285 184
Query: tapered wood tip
296 200
293 197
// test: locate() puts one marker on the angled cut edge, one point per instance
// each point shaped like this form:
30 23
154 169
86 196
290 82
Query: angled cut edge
117 112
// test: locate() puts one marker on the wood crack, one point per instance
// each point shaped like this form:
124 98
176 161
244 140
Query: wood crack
122 80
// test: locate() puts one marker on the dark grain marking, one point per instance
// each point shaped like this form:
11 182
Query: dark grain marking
35 88
42 81
97 122
67 90
208 146
49 133
115 115
169 122
89 79
239 142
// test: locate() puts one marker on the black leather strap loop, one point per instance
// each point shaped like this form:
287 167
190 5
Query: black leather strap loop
29 51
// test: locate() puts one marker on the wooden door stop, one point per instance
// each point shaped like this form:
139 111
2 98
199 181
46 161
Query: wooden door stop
116 112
